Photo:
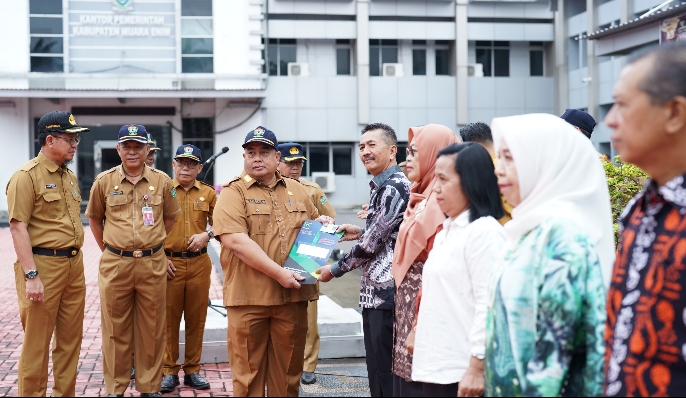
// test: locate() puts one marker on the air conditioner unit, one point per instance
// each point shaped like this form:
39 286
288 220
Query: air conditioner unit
300 69
326 180
393 70
475 70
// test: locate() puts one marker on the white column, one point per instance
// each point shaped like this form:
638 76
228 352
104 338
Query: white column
561 66
592 60
362 61
625 10
16 131
462 60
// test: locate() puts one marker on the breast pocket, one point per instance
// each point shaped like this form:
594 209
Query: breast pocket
157 210
200 212
259 219
52 206
297 214
117 207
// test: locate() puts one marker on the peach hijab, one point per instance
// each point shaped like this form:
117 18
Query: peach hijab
423 216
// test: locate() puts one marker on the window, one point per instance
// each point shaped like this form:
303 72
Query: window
200 132
536 57
47 36
280 52
197 37
381 52
343 57
401 156
494 56
442 58
323 157
419 57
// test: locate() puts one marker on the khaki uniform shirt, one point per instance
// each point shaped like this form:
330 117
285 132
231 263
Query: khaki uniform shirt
46 197
120 203
271 217
318 198
197 206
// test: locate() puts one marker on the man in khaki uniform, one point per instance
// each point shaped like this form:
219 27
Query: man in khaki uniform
190 267
44 200
140 206
152 154
291 165
257 219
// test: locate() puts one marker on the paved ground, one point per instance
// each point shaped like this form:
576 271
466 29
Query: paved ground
335 378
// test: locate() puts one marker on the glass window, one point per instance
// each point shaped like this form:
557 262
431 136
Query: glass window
197 46
483 57
45 7
389 55
195 128
46 45
501 62
286 54
47 64
196 8
401 156
442 62
273 53
342 41
419 62
381 52
536 62
197 64
318 158
196 27
343 61
342 160
374 67
46 25
418 42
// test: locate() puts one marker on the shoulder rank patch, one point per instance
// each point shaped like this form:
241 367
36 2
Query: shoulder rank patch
247 178
173 192
322 199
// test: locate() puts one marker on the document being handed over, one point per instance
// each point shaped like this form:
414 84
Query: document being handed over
312 248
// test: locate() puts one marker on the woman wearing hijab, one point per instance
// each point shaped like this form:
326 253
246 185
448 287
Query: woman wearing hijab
451 324
422 221
547 316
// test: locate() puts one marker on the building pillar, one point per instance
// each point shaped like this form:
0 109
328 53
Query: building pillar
592 60
362 61
626 10
462 63
561 66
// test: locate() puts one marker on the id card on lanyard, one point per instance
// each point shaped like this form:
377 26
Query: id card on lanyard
148 217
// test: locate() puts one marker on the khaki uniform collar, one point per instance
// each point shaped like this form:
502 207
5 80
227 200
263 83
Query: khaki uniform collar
176 183
47 163
249 181
145 175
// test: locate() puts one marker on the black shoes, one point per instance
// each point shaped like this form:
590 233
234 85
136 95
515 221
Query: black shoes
196 381
133 373
308 378
169 383
150 394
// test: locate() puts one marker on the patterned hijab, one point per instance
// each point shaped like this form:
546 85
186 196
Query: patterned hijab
423 216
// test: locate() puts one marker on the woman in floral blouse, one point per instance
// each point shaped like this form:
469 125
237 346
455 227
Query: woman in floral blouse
547 314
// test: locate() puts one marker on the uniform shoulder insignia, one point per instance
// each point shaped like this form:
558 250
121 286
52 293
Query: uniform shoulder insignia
160 172
236 178
29 165
204 183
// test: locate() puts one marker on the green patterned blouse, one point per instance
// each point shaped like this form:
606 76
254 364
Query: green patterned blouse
544 334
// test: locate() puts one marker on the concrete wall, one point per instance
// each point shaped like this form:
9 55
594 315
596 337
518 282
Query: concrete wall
14 31
14 116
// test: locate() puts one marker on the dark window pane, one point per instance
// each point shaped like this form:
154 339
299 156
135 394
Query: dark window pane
536 43
401 156
45 7
483 43
536 63
197 46
197 64
286 41
196 8
47 64
342 161
47 25
374 42
46 45
483 57
418 42
442 62
273 41
374 67
501 62
442 42
389 42
343 61
286 55
273 59
419 62
318 158
501 44
195 128
342 41
389 55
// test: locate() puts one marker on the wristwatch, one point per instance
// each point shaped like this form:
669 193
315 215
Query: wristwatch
31 274
480 357
210 234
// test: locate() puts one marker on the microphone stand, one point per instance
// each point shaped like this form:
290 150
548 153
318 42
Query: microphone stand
208 169
214 307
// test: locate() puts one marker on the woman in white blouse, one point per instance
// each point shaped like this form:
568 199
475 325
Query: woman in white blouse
450 336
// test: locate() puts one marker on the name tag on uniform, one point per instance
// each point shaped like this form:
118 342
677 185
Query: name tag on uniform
148 218
49 186
115 193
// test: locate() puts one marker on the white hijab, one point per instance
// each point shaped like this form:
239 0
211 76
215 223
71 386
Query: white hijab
560 174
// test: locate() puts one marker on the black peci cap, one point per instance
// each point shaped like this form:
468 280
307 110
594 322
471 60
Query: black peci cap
59 122
291 151
580 119
189 151
261 134
133 132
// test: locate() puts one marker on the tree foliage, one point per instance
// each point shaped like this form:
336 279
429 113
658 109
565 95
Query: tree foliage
624 180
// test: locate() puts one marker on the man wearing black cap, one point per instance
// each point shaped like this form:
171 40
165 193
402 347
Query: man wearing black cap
257 219
291 165
189 270
44 200
140 206
581 120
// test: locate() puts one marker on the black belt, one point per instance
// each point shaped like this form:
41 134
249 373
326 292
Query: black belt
186 254
135 253
55 253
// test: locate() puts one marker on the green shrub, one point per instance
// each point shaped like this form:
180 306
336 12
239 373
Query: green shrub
624 180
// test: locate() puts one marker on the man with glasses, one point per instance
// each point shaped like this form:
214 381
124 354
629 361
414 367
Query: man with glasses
44 201
140 206
189 269
291 165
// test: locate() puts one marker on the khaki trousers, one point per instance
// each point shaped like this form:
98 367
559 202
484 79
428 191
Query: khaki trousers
132 301
312 340
266 345
61 312
187 295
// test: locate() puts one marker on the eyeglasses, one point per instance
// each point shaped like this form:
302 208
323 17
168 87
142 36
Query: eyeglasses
70 141
190 165
410 151
294 163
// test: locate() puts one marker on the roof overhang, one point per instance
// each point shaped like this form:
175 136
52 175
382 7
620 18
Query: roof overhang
651 19
56 93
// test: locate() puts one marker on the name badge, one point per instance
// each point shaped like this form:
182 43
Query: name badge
115 193
148 218
50 186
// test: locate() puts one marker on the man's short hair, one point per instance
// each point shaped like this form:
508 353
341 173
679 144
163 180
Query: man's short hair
388 132
478 132
666 78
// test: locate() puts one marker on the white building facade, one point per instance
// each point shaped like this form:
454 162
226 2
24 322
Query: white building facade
314 71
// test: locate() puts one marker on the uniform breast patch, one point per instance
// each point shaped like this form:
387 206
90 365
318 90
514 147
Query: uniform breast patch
256 201
115 193
322 199
50 186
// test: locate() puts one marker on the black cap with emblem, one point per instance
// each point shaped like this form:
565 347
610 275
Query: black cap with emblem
261 134
59 122
291 151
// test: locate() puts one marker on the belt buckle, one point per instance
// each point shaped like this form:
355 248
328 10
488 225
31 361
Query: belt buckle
138 253
185 255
